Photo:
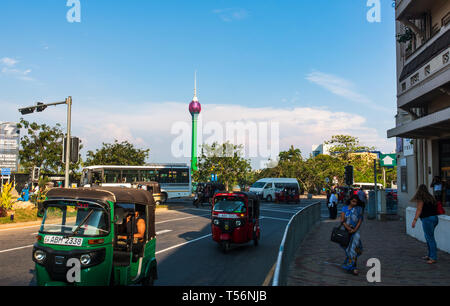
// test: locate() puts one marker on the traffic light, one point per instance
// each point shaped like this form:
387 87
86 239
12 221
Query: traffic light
26 111
36 173
74 150
349 175
40 108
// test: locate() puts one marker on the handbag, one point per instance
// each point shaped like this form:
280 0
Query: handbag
340 236
440 208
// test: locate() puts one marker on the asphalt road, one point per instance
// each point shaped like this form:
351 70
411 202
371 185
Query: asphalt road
185 251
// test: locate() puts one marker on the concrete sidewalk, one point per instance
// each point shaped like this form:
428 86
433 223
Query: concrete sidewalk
317 261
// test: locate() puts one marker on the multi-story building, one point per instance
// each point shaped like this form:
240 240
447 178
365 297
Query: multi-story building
423 97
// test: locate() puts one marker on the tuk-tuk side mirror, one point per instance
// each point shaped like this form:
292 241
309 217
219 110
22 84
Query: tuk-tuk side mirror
40 214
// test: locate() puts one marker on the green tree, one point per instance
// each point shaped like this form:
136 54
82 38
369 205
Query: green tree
226 161
344 145
117 154
42 147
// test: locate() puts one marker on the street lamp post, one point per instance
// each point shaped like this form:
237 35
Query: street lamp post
41 107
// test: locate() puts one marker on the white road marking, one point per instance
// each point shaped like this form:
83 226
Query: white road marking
163 232
18 228
282 211
181 244
279 219
15 249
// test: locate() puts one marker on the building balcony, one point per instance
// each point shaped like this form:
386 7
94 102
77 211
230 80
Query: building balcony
435 125
427 73
411 9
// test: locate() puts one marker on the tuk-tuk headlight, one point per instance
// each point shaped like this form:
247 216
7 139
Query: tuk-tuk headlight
40 256
238 223
85 259
216 222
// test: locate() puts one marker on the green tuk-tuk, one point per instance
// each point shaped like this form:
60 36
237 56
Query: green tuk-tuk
99 231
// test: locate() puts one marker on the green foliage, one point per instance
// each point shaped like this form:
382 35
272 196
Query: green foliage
313 172
6 201
227 162
42 147
345 145
117 154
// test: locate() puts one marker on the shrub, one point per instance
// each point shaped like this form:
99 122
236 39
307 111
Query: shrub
6 201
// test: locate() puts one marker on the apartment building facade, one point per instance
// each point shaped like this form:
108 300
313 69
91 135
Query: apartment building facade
423 97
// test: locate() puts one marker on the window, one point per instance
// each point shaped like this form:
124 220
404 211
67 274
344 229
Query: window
111 176
164 176
181 176
130 176
150 175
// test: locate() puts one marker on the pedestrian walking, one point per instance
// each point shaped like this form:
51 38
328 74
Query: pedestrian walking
332 205
428 213
352 218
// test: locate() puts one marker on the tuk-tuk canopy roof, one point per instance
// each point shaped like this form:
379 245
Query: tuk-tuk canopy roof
104 194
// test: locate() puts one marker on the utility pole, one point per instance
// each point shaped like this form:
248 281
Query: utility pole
68 142
376 186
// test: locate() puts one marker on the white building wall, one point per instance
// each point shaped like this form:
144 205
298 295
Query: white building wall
442 232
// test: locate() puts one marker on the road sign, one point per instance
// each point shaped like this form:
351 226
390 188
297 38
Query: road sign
6 171
9 145
388 160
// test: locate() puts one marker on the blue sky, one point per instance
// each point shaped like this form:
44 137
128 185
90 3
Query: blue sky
138 57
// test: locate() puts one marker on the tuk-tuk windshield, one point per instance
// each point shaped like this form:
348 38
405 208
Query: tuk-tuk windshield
229 205
75 218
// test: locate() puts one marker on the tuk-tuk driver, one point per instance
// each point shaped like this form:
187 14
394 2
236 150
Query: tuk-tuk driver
139 227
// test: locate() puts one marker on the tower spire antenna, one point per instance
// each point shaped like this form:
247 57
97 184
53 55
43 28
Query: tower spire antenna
195 83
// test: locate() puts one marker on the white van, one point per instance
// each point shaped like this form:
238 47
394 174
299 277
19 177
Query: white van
265 188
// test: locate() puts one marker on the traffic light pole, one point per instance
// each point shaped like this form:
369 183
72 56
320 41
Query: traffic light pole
68 142
376 186
41 107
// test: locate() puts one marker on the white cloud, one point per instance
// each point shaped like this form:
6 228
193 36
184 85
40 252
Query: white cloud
343 88
8 61
17 73
231 14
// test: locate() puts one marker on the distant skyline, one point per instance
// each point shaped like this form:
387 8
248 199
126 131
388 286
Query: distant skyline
319 68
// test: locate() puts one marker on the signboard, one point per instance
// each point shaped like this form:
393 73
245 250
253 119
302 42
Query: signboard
9 146
388 160
6 171
408 147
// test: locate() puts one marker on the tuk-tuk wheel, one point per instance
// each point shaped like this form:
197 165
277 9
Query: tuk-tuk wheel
255 239
149 280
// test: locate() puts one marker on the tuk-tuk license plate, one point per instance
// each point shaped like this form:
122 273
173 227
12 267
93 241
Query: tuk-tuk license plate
72 241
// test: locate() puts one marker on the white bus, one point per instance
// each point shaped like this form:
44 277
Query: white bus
366 187
175 179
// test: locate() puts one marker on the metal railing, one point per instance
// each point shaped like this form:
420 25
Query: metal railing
296 230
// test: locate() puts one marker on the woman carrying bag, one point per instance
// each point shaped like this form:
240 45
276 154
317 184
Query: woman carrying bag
351 218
